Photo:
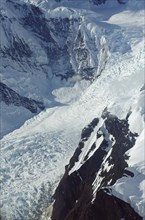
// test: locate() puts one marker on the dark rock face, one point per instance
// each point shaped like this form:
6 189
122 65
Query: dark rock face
75 198
105 207
46 41
60 39
10 97
99 2
143 88
18 50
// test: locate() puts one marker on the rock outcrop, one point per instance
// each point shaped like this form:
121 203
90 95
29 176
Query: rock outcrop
10 97
83 193
59 39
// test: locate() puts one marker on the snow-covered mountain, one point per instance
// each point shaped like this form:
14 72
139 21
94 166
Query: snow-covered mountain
105 177
39 48
62 64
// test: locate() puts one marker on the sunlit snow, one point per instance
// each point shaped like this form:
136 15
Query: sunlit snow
34 155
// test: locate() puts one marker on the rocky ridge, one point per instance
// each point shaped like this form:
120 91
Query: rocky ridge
84 192
10 97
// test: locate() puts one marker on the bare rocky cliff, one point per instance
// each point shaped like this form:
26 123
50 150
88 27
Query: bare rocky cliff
84 193
10 97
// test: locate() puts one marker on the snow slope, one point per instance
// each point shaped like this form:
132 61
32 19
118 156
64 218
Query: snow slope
131 189
34 156
71 44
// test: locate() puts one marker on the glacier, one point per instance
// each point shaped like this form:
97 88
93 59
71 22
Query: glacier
82 59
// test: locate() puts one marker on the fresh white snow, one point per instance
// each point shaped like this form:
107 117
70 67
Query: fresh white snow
36 153
132 189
